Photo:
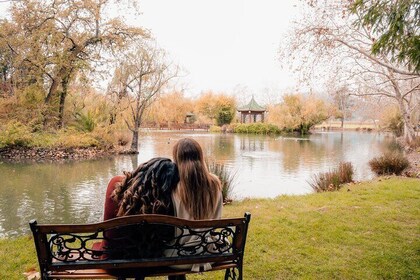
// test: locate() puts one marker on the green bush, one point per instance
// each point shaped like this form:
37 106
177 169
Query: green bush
389 163
215 128
226 177
256 128
333 180
86 122
225 115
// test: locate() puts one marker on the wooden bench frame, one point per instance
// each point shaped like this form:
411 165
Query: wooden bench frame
65 251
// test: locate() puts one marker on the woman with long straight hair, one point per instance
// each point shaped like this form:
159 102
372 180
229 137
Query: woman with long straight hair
198 194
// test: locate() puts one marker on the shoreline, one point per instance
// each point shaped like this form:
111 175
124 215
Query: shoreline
57 154
16 154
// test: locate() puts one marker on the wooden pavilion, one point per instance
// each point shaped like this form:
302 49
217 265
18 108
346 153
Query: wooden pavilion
252 112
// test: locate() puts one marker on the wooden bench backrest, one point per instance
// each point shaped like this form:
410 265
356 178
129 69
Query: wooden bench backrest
139 241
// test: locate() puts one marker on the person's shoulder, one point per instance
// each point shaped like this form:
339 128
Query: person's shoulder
214 177
216 180
116 179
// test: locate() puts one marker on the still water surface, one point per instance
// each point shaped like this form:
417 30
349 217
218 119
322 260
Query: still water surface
265 166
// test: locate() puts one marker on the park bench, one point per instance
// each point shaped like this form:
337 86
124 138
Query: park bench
137 246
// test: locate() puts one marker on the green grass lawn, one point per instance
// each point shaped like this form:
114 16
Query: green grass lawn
365 231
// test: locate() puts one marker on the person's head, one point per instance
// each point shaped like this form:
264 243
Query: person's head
198 189
148 189
188 151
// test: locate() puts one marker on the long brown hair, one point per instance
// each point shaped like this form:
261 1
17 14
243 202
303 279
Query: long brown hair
148 189
198 188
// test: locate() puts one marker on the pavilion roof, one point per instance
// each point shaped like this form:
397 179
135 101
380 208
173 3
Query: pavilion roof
252 106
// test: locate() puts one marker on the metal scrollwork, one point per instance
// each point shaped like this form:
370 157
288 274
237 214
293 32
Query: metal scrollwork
209 241
72 247
141 241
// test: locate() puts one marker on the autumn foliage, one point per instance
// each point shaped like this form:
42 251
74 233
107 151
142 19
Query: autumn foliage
219 108
298 112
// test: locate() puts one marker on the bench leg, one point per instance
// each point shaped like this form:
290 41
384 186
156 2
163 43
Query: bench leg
230 274
234 273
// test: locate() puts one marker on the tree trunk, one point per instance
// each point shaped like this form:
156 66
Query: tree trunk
11 87
134 161
112 117
135 140
63 95
53 98
409 133
54 86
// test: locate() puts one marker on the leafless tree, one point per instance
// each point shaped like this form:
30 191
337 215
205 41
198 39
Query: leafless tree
142 75
326 37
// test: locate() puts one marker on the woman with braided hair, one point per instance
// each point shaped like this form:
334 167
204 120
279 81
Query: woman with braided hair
146 190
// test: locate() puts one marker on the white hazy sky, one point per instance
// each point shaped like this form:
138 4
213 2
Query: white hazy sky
221 44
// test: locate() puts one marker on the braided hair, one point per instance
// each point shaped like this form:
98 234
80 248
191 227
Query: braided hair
148 189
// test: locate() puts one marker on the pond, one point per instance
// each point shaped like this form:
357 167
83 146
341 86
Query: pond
264 167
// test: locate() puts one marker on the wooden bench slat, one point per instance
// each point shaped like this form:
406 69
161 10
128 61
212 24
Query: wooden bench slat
155 218
104 274
78 274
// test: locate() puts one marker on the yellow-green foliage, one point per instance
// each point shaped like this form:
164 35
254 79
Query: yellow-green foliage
15 133
89 110
298 112
255 128
26 106
100 137
219 107
391 120
74 139
369 232
215 128
18 134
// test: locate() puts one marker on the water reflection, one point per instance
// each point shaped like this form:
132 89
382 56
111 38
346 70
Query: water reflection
265 167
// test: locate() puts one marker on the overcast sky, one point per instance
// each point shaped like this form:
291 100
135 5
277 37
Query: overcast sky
221 44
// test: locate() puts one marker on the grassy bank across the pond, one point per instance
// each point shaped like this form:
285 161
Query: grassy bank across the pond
365 231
